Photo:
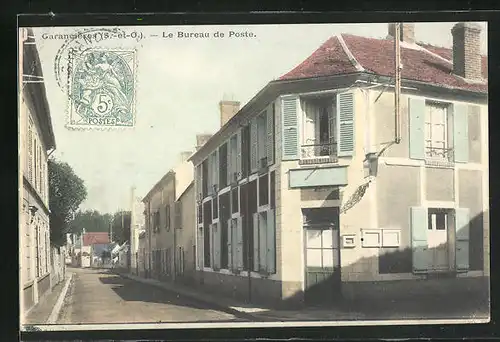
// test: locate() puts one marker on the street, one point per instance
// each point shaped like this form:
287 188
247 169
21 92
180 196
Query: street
98 296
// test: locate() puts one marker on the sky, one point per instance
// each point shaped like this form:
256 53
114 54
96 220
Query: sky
179 83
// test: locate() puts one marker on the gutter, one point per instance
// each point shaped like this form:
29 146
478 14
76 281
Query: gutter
397 85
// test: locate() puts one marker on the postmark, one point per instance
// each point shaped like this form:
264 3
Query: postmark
101 88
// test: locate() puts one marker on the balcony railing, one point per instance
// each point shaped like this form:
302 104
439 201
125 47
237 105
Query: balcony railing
327 149
439 153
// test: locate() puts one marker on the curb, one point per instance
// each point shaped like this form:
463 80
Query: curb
56 310
229 310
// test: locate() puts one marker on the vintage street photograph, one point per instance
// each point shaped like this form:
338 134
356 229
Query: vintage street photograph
253 175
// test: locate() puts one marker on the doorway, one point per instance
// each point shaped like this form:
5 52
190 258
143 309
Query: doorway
322 255
439 228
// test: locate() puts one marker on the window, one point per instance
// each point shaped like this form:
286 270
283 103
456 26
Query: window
40 170
320 252
223 166
233 162
264 190
262 141
167 217
200 213
234 201
245 151
30 152
437 219
178 215
319 126
35 171
207 221
272 193
225 215
437 132
198 183
156 218
180 261
205 180
215 208
214 175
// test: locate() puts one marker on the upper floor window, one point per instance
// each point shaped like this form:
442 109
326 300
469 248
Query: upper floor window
167 217
318 122
437 131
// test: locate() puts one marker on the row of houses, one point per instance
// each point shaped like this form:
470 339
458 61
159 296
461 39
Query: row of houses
311 192
41 266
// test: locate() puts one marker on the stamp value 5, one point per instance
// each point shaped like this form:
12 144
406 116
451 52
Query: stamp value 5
101 88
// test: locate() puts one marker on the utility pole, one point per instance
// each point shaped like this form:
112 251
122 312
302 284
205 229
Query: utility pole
397 85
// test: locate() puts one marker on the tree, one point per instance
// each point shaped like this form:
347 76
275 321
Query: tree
92 221
121 226
66 192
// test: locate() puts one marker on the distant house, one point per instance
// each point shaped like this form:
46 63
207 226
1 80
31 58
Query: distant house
36 143
142 260
92 238
307 192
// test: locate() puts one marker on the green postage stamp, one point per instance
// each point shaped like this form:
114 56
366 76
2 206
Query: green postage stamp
101 88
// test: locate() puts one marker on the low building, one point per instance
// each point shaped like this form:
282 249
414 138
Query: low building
308 193
162 207
36 143
136 226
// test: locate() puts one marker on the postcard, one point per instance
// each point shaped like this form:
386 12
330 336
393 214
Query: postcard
253 175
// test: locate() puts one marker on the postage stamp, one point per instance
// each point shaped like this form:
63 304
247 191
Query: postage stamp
101 88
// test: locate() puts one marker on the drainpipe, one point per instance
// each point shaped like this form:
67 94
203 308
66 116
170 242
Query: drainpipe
149 238
397 85
174 228
248 220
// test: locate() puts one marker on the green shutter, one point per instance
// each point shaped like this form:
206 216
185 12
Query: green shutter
217 246
345 115
230 165
256 242
237 168
230 244
460 134
262 241
462 239
239 244
290 127
254 139
271 243
419 220
270 134
417 128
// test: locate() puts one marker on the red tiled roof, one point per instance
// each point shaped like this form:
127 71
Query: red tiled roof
93 238
423 63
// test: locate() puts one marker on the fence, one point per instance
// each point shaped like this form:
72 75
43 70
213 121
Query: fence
57 265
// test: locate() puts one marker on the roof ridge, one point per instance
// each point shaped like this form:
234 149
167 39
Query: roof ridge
348 52
435 54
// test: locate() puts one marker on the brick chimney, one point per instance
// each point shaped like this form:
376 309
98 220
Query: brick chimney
201 139
227 110
407 32
467 50
184 155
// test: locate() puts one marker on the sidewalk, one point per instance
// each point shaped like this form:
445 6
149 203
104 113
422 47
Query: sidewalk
228 305
43 309
411 309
